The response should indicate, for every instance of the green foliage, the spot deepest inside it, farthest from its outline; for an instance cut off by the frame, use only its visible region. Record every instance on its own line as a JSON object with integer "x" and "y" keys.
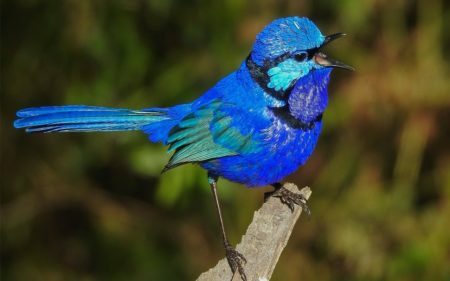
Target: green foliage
{"x": 95, "y": 207}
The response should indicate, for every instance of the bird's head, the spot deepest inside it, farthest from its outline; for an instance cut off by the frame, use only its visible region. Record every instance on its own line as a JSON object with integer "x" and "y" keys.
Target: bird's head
{"x": 290, "y": 48}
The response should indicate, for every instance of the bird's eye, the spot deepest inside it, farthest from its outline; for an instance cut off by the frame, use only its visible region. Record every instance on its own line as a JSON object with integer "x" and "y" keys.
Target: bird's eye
{"x": 300, "y": 57}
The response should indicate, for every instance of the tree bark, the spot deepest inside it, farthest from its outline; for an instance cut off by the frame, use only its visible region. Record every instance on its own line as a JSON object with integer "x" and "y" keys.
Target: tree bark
{"x": 264, "y": 241}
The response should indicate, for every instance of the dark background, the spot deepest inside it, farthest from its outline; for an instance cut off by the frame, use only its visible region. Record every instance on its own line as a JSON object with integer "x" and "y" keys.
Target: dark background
{"x": 95, "y": 207}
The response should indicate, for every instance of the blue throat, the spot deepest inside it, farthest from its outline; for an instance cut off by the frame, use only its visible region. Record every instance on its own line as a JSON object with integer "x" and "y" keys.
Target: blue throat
{"x": 304, "y": 100}
{"x": 309, "y": 97}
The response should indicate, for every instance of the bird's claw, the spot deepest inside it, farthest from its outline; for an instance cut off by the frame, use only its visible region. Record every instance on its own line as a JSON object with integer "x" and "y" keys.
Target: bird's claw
{"x": 291, "y": 199}
{"x": 236, "y": 261}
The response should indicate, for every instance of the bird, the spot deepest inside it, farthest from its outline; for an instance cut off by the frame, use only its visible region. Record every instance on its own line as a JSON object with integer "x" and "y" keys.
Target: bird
{"x": 255, "y": 126}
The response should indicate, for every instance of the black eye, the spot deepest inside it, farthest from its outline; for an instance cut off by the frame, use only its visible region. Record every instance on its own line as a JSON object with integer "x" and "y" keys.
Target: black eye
{"x": 300, "y": 57}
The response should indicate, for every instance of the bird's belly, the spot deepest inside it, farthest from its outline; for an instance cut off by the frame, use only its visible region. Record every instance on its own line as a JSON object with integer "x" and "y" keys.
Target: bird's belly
{"x": 283, "y": 153}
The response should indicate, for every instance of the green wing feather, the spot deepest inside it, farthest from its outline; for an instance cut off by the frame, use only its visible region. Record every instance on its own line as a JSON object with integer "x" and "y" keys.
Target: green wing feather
{"x": 207, "y": 134}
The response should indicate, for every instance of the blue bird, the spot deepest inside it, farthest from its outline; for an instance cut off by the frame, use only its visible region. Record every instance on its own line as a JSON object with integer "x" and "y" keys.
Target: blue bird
{"x": 255, "y": 126}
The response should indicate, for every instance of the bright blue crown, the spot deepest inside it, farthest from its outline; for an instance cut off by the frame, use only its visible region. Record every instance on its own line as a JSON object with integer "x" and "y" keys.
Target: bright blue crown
{"x": 286, "y": 35}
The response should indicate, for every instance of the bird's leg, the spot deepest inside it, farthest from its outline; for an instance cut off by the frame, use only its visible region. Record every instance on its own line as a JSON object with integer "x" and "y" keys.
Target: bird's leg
{"x": 288, "y": 197}
{"x": 234, "y": 258}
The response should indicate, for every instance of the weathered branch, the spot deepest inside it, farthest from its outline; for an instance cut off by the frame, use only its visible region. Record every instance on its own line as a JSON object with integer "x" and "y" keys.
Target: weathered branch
{"x": 262, "y": 244}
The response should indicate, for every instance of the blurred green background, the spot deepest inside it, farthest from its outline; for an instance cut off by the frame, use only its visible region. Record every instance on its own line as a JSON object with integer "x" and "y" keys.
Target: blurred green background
{"x": 95, "y": 207}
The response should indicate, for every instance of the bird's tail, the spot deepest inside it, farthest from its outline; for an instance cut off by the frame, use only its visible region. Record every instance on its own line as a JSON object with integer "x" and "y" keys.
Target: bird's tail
{"x": 81, "y": 118}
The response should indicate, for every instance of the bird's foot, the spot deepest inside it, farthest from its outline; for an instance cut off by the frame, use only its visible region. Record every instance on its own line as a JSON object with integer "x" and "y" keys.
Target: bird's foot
{"x": 236, "y": 261}
{"x": 290, "y": 198}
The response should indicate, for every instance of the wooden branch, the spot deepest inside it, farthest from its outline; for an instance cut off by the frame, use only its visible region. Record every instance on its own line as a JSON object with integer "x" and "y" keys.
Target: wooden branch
{"x": 262, "y": 244}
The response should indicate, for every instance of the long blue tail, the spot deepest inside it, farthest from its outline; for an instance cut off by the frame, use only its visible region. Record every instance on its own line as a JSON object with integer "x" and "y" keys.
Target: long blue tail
{"x": 82, "y": 118}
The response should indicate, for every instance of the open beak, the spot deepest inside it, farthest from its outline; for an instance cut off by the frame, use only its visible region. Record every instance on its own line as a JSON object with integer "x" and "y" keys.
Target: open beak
{"x": 322, "y": 59}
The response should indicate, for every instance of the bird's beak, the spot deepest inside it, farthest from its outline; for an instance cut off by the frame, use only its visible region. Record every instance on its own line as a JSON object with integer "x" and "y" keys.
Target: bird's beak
{"x": 322, "y": 59}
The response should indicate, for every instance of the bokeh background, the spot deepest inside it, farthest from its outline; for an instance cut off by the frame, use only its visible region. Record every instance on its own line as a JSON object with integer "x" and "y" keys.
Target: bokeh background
{"x": 95, "y": 207}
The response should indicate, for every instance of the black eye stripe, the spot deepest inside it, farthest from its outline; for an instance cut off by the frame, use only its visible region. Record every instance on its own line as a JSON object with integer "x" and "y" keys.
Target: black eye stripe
{"x": 312, "y": 52}
{"x": 309, "y": 54}
{"x": 300, "y": 57}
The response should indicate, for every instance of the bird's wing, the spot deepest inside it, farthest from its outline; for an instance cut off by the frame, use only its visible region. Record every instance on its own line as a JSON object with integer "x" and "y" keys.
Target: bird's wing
{"x": 214, "y": 130}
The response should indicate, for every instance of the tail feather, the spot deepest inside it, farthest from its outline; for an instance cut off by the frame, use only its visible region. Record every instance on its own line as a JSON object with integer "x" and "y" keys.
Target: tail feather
{"x": 34, "y": 111}
{"x": 81, "y": 118}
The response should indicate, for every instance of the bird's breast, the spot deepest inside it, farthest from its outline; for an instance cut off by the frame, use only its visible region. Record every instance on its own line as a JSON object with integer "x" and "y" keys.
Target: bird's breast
{"x": 283, "y": 151}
